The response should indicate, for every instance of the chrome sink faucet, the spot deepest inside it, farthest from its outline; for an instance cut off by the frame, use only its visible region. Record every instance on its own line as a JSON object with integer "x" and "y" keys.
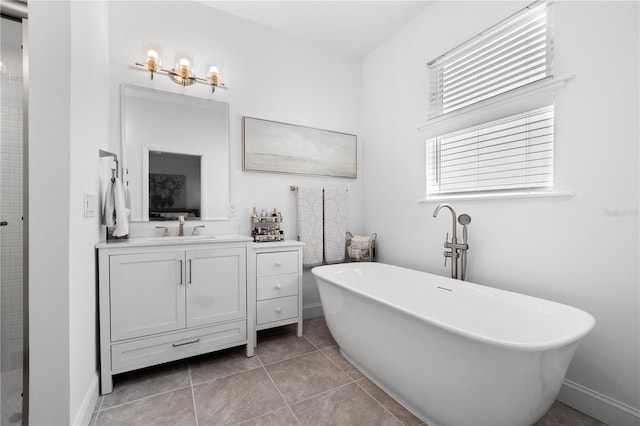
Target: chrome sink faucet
{"x": 457, "y": 250}
{"x": 180, "y": 226}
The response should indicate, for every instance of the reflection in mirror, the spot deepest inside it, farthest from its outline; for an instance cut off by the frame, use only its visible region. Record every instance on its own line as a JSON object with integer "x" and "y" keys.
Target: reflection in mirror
{"x": 174, "y": 186}
{"x": 176, "y": 155}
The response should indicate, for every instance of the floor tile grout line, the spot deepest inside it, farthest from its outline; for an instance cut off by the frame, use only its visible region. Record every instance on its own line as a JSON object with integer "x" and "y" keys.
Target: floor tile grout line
{"x": 381, "y": 404}
{"x": 309, "y": 340}
{"x": 351, "y": 380}
{"x": 322, "y": 393}
{"x": 278, "y": 390}
{"x": 318, "y": 349}
{"x": 358, "y": 384}
{"x": 260, "y": 416}
{"x": 143, "y": 398}
{"x": 97, "y": 412}
{"x": 204, "y": 382}
{"x": 336, "y": 364}
{"x": 193, "y": 395}
{"x": 289, "y": 359}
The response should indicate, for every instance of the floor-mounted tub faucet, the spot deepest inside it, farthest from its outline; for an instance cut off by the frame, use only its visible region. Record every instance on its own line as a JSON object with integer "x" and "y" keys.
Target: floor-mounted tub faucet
{"x": 457, "y": 251}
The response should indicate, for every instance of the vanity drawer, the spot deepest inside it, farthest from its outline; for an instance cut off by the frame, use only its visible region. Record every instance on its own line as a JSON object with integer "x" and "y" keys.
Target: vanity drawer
{"x": 143, "y": 352}
{"x": 281, "y": 262}
{"x": 273, "y": 286}
{"x": 277, "y": 309}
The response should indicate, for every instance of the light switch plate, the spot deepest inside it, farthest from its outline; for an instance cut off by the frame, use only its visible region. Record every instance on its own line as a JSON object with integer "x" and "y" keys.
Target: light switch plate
{"x": 89, "y": 205}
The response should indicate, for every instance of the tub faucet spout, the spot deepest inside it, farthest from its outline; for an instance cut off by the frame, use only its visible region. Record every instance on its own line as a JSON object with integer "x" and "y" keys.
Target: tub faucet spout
{"x": 454, "y": 238}
{"x": 456, "y": 251}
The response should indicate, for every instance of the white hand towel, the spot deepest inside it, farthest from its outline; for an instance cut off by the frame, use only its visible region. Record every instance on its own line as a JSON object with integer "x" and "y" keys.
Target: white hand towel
{"x": 122, "y": 223}
{"x": 109, "y": 206}
{"x": 127, "y": 201}
{"x": 335, "y": 224}
{"x": 310, "y": 224}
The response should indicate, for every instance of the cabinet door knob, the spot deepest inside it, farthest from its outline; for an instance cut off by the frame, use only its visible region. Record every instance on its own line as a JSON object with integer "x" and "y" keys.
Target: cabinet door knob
{"x": 278, "y": 286}
{"x": 278, "y": 309}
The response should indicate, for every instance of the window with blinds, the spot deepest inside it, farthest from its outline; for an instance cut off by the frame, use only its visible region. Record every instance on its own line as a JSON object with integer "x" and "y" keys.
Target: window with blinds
{"x": 513, "y": 151}
{"x": 512, "y": 54}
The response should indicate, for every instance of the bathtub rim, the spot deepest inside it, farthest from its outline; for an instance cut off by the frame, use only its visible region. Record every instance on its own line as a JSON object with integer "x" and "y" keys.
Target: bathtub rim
{"x": 589, "y": 320}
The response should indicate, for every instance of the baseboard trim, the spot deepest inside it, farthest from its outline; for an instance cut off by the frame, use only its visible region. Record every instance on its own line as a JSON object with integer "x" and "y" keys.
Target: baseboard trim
{"x": 312, "y": 311}
{"x": 597, "y": 405}
{"x": 83, "y": 416}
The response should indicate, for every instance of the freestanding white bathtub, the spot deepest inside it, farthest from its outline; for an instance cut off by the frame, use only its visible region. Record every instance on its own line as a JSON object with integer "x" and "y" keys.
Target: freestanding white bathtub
{"x": 452, "y": 352}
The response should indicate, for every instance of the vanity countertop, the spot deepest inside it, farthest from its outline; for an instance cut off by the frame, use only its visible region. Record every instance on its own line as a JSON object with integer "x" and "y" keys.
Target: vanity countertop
{"x": 174, "y": 240}
{"x": 276, "y": 244}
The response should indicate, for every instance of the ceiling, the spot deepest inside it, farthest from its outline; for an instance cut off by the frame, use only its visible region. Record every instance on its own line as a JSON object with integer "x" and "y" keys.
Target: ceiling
{"x": 352, "y": 27}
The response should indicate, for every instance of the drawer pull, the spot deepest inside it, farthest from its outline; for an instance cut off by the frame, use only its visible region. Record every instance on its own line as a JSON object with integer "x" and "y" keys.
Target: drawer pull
{"x": 278, "y": 263}
{"x": 278, "y": 286}
{"x": 175, "y": 345}
{"x": 278, "y": 309}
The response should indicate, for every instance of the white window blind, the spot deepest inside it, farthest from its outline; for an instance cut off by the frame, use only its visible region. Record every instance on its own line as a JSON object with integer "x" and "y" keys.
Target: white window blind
{"x": 515, "y": 152}
{"x": 514, "y": 53}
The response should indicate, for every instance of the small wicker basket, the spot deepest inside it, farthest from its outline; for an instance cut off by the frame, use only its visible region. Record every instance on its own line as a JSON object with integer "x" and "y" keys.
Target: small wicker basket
{"x": 360, "y": 248}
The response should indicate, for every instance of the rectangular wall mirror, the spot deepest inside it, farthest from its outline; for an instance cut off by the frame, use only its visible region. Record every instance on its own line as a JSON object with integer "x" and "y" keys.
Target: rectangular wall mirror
{"x": 176, "y": 155}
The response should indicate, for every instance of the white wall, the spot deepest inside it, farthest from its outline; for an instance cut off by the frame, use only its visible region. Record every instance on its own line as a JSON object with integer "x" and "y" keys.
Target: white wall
{"x": 89, "y": 133}
{"x": 580, "y": 250}
{"x": 49, "y": 164}
{"x": 68, "y": 124}
{"x": 269, "y": 75}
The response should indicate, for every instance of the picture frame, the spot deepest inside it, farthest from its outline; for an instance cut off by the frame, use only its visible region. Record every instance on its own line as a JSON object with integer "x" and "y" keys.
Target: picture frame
{"x": 167, "y": 191}
{"x": 271, "y": 146}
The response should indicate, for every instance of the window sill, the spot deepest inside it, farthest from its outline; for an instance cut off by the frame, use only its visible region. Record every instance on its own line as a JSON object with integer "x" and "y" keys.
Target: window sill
{"x": 504, "y": 195}
{"x": 525, "y": 98}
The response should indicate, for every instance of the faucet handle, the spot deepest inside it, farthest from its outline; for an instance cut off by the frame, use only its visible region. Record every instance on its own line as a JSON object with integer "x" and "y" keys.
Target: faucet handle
{"x": 195, "y": 229}
{"x": 166, "y": 230}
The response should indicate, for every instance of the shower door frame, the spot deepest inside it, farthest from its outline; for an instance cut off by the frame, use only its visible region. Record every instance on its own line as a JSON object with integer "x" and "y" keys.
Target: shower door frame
{"x": 25, "y": 221}
{"x": 20, "y": 14}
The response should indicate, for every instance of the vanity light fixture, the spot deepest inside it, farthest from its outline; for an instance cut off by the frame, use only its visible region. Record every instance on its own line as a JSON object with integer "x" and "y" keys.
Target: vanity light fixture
{"x": 182, "y": 73}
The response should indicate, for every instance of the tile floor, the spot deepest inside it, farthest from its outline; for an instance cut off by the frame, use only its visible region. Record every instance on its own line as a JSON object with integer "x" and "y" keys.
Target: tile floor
{"x": 290, "y": 381}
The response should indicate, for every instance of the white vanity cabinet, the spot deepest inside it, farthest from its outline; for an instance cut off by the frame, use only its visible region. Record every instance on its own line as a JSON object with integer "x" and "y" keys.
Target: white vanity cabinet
{"x": 163, "y": 302}
{"x": 275, "y": 271}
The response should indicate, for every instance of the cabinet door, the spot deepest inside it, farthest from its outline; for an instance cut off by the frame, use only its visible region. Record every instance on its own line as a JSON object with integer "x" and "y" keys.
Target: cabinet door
{"x": 216, "y": 285}
{"x": 147, "y": 294}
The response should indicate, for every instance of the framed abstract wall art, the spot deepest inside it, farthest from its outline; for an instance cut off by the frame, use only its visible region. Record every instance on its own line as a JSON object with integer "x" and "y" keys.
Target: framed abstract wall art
{"x": 270, "y": 146}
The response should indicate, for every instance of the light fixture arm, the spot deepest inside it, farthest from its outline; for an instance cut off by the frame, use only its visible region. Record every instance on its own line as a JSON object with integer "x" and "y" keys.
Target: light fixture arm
{"x": 183, "y": 76}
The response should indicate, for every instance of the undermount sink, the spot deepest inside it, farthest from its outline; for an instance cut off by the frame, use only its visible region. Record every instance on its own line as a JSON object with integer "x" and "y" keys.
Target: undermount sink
{"x": 186, "y": 238}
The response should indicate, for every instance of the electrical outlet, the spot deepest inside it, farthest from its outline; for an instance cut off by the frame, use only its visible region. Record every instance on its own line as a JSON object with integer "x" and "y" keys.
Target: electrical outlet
{"x": 232, "y": 210}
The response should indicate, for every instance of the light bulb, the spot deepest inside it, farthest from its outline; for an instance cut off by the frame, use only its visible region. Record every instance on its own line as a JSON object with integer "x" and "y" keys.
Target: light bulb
{"x": 152, "y": 61}
{"x": 152, "y": 55}
{"x": 213, "y": 75}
